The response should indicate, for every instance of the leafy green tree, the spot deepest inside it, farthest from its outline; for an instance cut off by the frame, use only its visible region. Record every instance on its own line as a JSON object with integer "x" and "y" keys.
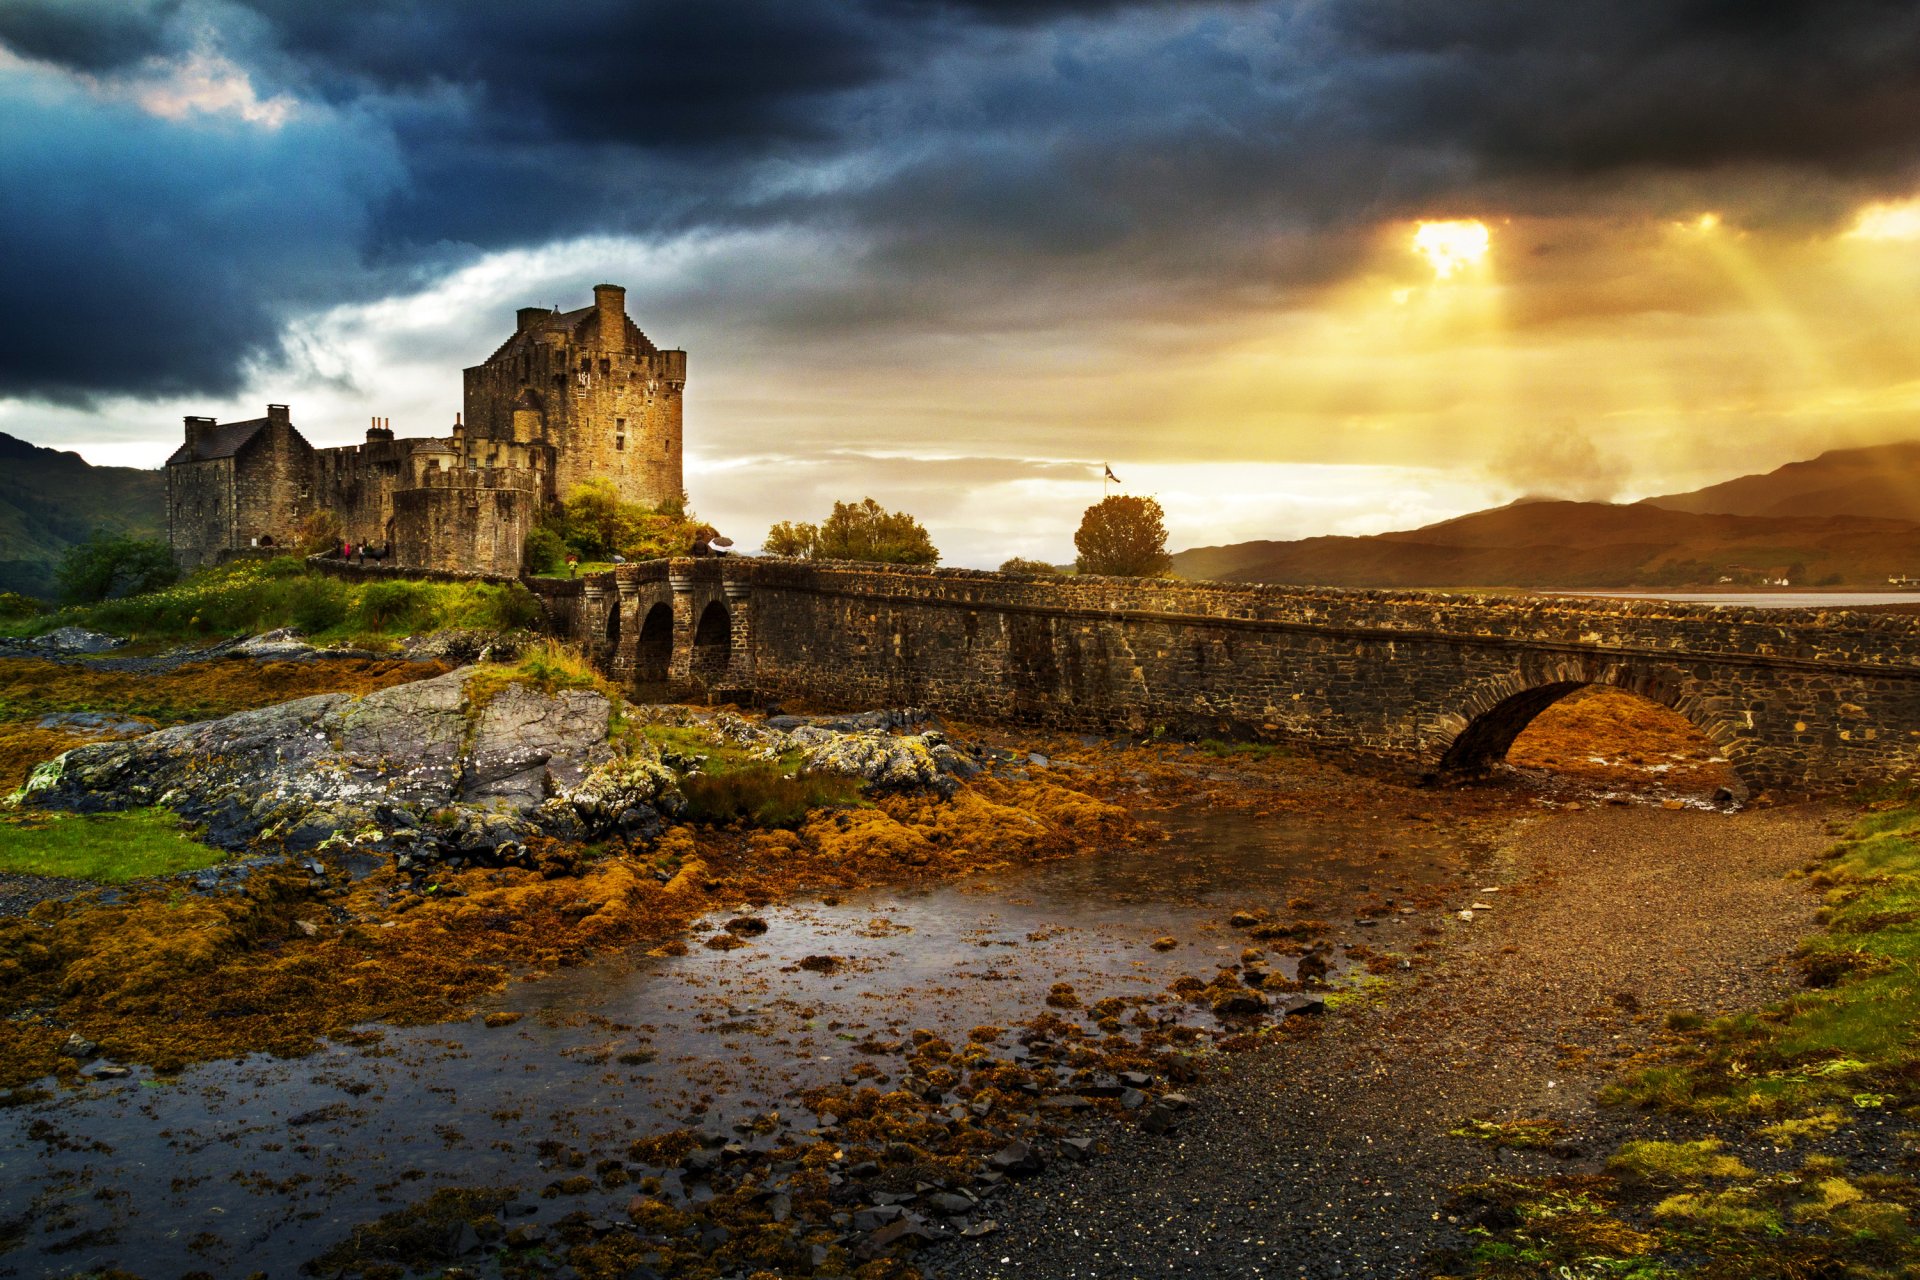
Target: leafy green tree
{"x": 593, "y": 523}
{"x": 109, "y": 565}
{"x": 1019, "y": 564}
{"x": 1123, "y": 537}
{"x": 856, "y": 531}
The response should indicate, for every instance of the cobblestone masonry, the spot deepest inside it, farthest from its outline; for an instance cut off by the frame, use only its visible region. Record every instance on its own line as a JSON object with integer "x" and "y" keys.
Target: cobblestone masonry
{"x": 1799, "y": 700}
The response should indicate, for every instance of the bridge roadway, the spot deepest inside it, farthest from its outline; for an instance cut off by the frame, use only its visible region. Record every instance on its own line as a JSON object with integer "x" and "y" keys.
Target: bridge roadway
{"x": 1799, "y": 701}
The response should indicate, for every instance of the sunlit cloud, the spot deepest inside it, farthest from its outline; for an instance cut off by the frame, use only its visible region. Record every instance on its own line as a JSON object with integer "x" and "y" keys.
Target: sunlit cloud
{"x": 205, "y": 83}
{"x": 1888, "y": 220}
{"x": 200, "y": 83}
{"x": 1451, "y": 246}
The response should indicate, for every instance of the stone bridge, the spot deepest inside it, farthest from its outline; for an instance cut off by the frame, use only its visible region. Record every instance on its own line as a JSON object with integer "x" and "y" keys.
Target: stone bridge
{"x": 1796, "y": 700}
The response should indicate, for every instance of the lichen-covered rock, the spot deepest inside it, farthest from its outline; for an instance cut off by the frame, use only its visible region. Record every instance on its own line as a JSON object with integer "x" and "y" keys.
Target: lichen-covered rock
{"x": 888, "y": 762}
{"x": 76, "y": 640}
{"x": 416, "y": 768}
{"x": 626, "y": 795}
{"x": 863, "y": 745}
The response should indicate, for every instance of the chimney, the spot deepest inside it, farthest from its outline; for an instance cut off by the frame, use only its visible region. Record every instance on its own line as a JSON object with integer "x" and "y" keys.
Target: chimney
{"x": 196, "y": 428}
{"x": 610, "y": 300}
{"x": 277, "y": 415}
{"x": 527, "y": 317}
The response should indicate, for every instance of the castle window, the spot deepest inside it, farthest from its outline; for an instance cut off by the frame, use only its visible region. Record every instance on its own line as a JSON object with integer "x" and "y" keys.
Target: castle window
{"x": 620, "y": 442}
{"x": 606, "y": 366}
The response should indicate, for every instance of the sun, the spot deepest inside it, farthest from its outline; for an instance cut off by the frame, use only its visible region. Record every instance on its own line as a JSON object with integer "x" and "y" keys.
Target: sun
{"x": 1451, "y": 246}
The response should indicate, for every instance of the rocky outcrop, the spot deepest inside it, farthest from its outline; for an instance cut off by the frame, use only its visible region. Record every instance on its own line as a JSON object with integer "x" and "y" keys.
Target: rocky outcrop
{"x": 453, "y": 769}
{"x": 862, "y": 746}
{"x": 420, "y": 770}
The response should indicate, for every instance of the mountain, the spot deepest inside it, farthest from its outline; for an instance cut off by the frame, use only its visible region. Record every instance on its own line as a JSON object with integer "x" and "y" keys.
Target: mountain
{"x": 1851, "y": 516}
{"x": 1883, "y": 480}
{"x": 51, "y": 499}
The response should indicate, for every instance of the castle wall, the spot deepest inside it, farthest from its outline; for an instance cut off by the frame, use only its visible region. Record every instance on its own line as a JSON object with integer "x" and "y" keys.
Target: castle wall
{"x": 272, "y": 485}
{"x": 610, "y": 410}
{"x": 476, "y": 521}
{"x": 200, "y": 510}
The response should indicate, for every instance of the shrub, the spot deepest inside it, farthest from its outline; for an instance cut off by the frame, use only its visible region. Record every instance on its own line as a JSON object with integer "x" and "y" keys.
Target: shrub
{"x": 759, "y": 793}
{"x": 320, "y": 532}
{"x": 1019, "y": 564}
{"x": 319, "y": 604}
{"x": 15, "y": 607}
{"x": 107, "y": 566}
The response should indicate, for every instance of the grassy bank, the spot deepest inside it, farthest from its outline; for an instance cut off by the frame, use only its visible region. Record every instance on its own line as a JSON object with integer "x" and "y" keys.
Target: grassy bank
{"x": 1772, "y": 1143}
{"x": 252, "y": 596}
{"x": 108, "y": 848}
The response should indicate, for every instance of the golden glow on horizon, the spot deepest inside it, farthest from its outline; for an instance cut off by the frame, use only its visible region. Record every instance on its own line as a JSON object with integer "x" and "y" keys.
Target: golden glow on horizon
{"x": 1888, "y": 220}
{"x": 1451, "y": 246}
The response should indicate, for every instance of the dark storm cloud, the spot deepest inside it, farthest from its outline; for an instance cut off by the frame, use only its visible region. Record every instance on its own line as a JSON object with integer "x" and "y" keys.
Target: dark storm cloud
{"x": 985, "y": 154}
{"x": 1528, "y": 87}
{"x": 88, "y": 37}
{"x": 144, "y": 260}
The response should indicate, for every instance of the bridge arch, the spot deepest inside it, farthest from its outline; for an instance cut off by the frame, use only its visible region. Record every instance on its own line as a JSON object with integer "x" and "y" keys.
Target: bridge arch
{"x": 712, "y": 643}
{"x": 653, "y": 649}
{"x": 1497, "y": 713}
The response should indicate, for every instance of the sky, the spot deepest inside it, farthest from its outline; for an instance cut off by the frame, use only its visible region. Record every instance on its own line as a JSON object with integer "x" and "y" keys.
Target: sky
{"x": 1292, "y": 267}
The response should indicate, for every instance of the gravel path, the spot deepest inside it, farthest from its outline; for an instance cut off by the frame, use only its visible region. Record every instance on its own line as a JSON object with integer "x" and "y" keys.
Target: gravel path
{"x": 1327, "y": 1156}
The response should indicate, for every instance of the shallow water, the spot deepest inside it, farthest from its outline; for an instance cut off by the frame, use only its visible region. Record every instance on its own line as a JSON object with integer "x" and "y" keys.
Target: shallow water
{"x": 262, "y": 1164}
{"x": 1760, "y": 599}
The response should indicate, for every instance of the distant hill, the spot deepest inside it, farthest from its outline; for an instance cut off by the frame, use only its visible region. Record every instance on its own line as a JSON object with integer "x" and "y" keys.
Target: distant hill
{"x": 1883, "y": 480}
{"x": 1847, "y": 517}
{"x": 51, "y": 499}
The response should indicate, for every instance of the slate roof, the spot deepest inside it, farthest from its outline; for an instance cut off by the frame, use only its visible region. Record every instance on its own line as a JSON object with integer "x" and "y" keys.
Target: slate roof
{"x": 222, "y": 441}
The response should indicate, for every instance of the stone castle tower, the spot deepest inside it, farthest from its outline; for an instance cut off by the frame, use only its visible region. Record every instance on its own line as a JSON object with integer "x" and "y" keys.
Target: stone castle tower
{"x": 590, "y": 384}
{"x": 571, "y": 396}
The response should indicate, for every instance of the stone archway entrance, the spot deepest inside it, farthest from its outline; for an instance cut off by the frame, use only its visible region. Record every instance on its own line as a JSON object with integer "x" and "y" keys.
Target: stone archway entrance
{"x": 712, "y": 644}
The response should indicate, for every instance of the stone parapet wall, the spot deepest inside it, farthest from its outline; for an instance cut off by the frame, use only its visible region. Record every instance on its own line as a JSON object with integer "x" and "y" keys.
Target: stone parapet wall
{"x": 334, "y": 567}
{"x": 1796, "y": 699}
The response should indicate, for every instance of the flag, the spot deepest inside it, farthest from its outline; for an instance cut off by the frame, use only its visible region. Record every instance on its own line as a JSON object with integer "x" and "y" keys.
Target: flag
{"x": 1110, "y": 475}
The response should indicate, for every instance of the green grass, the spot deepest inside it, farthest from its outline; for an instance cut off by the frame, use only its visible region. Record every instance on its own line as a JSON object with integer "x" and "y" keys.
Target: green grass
{"x": 110, "y": 848}
{"x": 251, "y": 596}
{"x": 548, "y": 666}
{"x": 1853, "y": 1035}
{"x": 1788, "y": 1077}
{"x": 762, "y": 794}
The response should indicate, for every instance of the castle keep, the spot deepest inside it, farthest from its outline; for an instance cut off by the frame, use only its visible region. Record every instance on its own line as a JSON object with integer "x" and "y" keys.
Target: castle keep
{"x": 570, "y": 396}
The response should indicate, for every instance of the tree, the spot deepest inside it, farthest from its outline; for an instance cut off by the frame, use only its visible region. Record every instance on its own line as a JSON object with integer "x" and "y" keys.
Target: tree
{"x": 320, "y": 532}
{"x": 595, "y": 523}
{"x": 855, "y": 531}
{"x": 1123, "y": 537}
{"x": 107, "y": 566}
{"x": 1019, "y": 564}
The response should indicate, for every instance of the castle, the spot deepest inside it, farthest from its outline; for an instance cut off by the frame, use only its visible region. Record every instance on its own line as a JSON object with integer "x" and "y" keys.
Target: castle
{"x": 572, "y": 395}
